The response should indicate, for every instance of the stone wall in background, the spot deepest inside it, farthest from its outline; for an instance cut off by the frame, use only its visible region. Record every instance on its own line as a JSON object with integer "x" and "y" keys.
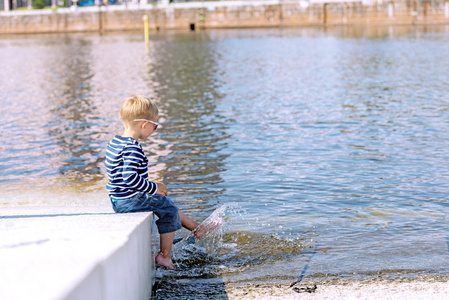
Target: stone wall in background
{"x": 227, "y": 14}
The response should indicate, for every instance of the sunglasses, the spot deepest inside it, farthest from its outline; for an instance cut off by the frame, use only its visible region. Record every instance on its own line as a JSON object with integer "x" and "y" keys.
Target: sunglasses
{"x": 155, "y": 124}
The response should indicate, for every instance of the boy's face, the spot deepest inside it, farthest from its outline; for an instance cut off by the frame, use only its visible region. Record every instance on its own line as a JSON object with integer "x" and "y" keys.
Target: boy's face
{"x": 148, "y": 127}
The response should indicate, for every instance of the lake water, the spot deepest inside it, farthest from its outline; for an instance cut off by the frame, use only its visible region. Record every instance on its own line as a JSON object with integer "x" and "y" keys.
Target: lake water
{"x": 329, "y": 146}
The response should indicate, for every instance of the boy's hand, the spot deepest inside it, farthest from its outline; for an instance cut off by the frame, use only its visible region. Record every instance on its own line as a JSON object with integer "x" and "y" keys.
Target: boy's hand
{"x": 161, "y": 189}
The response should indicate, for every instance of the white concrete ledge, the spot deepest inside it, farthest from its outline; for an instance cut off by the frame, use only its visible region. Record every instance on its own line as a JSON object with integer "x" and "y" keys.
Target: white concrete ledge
{"x": 71, "y": 253}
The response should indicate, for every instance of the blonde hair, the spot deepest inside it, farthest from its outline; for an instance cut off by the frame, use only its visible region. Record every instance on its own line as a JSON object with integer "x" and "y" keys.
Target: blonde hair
{"x": 138, "y": 107}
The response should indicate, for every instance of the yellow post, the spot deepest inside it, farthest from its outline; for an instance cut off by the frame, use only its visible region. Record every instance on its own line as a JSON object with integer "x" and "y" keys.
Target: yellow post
{"x": 146, "y": 31}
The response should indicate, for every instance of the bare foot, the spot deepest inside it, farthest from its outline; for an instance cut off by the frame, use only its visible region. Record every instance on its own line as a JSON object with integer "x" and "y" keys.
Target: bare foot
{"x": 165, "y": 262}
{"x": 203, "y": 229}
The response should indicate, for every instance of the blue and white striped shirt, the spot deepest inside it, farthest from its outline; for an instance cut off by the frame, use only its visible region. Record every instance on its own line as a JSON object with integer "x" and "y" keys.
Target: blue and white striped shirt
{"x": 127, "y": 168}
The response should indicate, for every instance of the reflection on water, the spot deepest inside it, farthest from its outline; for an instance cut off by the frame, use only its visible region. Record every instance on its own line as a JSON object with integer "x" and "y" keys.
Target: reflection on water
{"x": 331, "y": 139}
{"x": 182, "y": 76}
{"x": 73, "y": 108}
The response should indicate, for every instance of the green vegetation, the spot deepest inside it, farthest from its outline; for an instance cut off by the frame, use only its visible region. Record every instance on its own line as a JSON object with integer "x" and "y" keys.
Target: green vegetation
{"x": 33, "y": 8}
{"x": 39, "y": 4}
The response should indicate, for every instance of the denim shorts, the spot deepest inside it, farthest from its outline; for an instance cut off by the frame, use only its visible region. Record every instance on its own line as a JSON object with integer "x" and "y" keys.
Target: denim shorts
{"x": 162, "y": 207}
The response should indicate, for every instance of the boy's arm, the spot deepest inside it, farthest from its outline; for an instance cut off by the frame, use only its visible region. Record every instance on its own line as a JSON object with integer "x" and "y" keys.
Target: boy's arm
{"x": 161, "y": 189}
{"x": 131, "y": 176}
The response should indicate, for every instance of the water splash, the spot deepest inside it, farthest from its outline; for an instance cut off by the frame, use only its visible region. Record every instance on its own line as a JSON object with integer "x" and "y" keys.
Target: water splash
{"x": 199, "y": 256}
{"x": 213, "y": 239}
{"x": 227, "y": 250}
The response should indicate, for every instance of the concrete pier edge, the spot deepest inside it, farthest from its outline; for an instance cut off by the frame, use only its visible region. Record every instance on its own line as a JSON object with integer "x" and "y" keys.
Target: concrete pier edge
{"x": 127, "y": 273}
{"x": 69, "y": 253}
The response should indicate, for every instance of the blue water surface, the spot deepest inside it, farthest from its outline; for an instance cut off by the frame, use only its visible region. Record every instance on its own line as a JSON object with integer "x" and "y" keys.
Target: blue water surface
{"x": 331, "y": 139}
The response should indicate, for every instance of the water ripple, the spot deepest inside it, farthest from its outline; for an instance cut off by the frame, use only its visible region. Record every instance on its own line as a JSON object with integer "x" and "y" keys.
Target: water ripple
{"x": 336, "y": 135}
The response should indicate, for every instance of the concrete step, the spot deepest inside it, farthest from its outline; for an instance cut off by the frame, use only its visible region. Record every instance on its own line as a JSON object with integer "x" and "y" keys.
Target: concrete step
{"x": 75, "y": 253}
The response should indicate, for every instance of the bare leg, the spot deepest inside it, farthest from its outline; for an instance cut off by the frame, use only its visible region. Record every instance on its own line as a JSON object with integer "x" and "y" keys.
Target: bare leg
{"x": 188, "y": 222}
{"x": 164, "y": 257}
{"x": 199, "y": 230}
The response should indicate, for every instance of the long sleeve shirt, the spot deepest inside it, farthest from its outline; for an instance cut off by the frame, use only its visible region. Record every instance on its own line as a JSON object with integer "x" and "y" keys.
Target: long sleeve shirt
{"x": 127, "y": 168}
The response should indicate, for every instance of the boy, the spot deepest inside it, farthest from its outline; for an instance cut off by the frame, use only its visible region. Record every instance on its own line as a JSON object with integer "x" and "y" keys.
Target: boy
{"x": 129, "y": 188}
